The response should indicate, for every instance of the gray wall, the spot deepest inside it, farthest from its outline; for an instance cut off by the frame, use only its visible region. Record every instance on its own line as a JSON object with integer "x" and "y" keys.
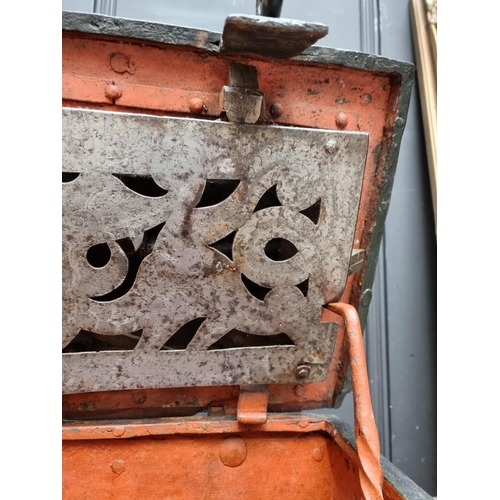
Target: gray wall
{"x": 410, "y": 283}
{"x": 401, "y": 327}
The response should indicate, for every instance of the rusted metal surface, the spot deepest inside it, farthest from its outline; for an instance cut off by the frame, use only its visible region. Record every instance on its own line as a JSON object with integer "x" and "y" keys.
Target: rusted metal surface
{"x": 321, "y": 88}
{"x": 365, "y": 428}
{"x": 260, "y": 262}
{"x": 297, "y": 457}
{"x": 270, "y": 37}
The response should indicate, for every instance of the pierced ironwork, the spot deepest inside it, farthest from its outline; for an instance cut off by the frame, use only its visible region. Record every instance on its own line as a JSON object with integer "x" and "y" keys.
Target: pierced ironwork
{"x": 180, "y": 271}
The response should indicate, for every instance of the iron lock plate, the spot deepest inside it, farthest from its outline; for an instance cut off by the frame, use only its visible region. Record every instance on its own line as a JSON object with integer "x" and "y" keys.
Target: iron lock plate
{"x": 199, "y": 253}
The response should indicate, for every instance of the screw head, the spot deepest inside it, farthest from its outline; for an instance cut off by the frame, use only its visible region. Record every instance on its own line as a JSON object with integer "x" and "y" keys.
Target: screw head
{"x": 303, "y": 371}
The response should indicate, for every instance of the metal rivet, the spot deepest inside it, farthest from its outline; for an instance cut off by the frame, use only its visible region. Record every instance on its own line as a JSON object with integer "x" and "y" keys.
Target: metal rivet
{"x": 303, "y": 371}
{"x": 118, "y": 431}
{"x": 341, "y": 120}
{"x": 317, "y": 454}
{"x": 139, "y": 397}
{"x": 276, "y": 110}
{"x": 331, "y": 146}
{"x": 118, "y": 466}
{"x": 233, "y": 451}
{"x": 368, "y": 97}
{"x": 299, "y": 390}
{"x": 196, "y": 105}
{"x": 112, "y": 92}
{"x": 86, "y": 406}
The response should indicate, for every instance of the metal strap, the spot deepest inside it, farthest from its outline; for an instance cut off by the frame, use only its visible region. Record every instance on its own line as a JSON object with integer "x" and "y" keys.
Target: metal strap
{"x": 365, "y": 428}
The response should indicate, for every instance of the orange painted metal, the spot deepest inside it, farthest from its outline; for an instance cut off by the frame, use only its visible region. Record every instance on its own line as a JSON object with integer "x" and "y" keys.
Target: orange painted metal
{"x": 278, "y": 447}
{"x": 252, "y": 405}
{"x": 293, "y": 457}
{"x": 132, "y": 75}
{"x": 365, "y": 428}
{"x": 236, "y": 464}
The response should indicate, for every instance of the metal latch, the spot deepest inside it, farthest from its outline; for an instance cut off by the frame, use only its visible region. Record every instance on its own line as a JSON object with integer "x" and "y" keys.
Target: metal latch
{"x": 242, "y": 100}
{"x": 252, "y": 404}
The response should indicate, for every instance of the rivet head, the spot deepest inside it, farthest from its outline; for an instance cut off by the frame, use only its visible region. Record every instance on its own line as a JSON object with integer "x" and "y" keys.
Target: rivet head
{"x": 317, "y": 454}
{"x": 118, "y": 431}
{"x": 117, "y": 466}
{"x": 196, "y": 105}
{"x": 299, "y": 390}
{"x": 233, "y": 451}
{"x": 341, "y": 120}
{"x": 139, "y": 397}
{"x": 112, "y": 92}
{"x": 331, "y": 146}
{"x": 276, "y": 110}
{"x": 303, "y": 371}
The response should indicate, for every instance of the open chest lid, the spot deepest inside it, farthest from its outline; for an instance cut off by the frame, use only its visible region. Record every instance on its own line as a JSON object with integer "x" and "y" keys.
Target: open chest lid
{"x": 216, "y": 195}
